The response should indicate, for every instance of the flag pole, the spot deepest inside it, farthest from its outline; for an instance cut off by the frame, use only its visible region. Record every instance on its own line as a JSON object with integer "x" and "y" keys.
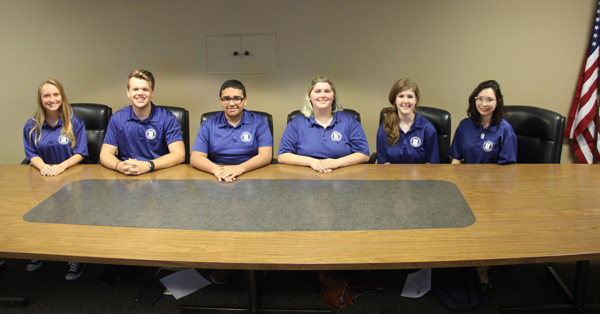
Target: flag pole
{"x": 595, "y": 155}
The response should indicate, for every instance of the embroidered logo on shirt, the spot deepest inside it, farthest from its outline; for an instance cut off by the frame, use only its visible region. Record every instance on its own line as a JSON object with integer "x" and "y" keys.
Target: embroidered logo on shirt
{"x": 488, "y": 146}
{"x": 246, "y": 137}
{"x": 151, "y": 134}
{"x": 336, "y": 136}
{"x": 63, "y": 139}
{"x": 415, "y": 142}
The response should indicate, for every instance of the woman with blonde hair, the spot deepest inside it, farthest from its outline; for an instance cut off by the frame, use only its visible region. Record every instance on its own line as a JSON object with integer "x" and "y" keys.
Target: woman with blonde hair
{"x": 324, "y": 137}
{"x": 54, "y": 141}
{"x": 405, "y": 137}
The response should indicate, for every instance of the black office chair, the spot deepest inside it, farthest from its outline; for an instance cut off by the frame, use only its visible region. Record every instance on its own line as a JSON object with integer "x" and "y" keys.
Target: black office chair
{"x": 539, "y": 140}
{"x": 265, "y": 115}
{"x": 539, "y": 134}
{"x": 442, "y": 122}
{"x": 95, "y": 118}
{"x": 296, "y": 113}
{"x": 183, "y": 116}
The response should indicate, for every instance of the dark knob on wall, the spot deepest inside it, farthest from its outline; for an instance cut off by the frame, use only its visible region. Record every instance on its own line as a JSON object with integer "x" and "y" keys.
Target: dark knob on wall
{"x": 246, "y": 53}
{"x": 235, "y": 53}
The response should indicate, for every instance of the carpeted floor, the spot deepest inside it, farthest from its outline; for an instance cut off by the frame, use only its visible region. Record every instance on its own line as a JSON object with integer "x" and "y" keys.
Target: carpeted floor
{"x": 48, "y": 292}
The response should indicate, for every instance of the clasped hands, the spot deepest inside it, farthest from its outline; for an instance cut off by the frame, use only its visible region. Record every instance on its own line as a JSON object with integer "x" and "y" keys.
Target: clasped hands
{"x": 133, "y": 167}
{"x": 228, "y": 173}
{"x": 324, "y": 165}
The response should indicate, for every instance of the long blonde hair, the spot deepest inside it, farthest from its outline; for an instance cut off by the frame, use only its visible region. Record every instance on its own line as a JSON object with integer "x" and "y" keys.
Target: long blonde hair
{"x": 65, "y": 114}
{"x": 307, "y": 109}
{"x": 391, "y": 121}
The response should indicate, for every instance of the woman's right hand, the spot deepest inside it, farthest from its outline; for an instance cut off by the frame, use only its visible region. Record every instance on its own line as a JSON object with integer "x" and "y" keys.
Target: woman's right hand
{"x": 45, "y": 169}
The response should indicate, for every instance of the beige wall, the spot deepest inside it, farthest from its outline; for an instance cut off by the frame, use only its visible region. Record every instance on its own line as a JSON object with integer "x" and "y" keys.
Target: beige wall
{"x": 534, "y": 48}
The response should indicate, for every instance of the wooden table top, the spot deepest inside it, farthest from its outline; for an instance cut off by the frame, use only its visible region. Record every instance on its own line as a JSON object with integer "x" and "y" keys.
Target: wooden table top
{"x": 525, "y": 214}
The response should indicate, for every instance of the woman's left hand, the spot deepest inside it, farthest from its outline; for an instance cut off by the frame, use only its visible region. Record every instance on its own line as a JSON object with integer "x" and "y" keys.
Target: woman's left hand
{"x": 55, "y": 170}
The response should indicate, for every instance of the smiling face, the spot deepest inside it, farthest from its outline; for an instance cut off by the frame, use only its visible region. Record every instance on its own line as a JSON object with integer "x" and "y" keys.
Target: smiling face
{"x": 406, "y": 102}
{"x": 233, "y": 103}
{"x": 140, "y": 92}
{"x": 322, "y": 96}
{"x": 51, "y": 98}
{"x": 486, "y": 102}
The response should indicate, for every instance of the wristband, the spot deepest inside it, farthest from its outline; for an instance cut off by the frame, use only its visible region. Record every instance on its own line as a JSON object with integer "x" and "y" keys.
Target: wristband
{"x": 117, "y": 165}
{"x": 151, "y": 165}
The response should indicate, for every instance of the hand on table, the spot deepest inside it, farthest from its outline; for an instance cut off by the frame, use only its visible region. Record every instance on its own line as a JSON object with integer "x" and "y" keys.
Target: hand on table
{"x": 228, "y": 173}
{"x": 324, "y": 165}
{"x": 133, "y": 167}
{"x": 52, "y": 170}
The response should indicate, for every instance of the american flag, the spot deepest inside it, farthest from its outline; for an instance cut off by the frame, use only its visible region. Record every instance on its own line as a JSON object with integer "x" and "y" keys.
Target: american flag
{"x": 581, "y": 125}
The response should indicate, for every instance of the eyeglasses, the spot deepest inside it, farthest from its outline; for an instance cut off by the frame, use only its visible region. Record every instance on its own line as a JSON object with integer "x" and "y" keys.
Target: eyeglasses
{"x": 480, "y": 100}
{"x": 236, "y": 100}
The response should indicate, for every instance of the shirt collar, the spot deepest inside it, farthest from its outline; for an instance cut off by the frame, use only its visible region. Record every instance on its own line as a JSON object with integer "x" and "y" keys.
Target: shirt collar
{"x": 313, "y": 121}
{"x": 152, "y": 118}
{"x": 58, "y": 124}
{"x": 492, "y": 128}
{"x": 223, "y": 120}
{"x": 419, "y": 122}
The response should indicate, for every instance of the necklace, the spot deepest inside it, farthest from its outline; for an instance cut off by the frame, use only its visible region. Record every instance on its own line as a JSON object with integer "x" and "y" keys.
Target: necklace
{"x": 483, "y": 132}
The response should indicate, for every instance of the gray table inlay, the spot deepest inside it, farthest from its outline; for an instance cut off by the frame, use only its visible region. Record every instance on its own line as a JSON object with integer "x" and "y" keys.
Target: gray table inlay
{"x": 258, "y": 205}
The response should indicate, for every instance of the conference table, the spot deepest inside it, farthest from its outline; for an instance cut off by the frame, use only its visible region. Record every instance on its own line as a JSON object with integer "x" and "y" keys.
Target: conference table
{"x": 522, "y": 214}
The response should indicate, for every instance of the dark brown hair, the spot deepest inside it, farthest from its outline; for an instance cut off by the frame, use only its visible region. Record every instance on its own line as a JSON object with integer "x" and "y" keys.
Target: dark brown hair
{"x": 498, "y": 114}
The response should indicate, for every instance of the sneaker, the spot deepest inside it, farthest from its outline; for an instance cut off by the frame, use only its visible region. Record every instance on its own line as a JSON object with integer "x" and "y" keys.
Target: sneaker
{"x": 75, "y": 270}
{"x": 34, "y": 264}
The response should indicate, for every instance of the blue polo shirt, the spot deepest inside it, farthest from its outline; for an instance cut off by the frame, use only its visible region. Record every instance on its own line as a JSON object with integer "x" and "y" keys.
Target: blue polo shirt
{"x": 343, "y": 136}
{"x": 418, "y": 146}
{"x": 498, "y": 146}
{"x": 53, "y": 147}
{"x": 228, "y": 145}
{"x": 143, "y": 140}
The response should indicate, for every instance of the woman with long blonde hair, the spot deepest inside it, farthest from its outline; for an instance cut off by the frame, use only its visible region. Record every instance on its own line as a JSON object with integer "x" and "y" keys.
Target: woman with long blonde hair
{"x": 54, "y": 141}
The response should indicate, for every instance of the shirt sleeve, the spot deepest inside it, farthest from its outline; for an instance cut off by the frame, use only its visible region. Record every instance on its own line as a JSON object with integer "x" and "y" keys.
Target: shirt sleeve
{"x": 382, "y": 154}
{"x": 508, "y": 152}
{"x": 172, "y": 129}
{"x": 357, "y": 138}
{"x": 112, "y": 132}
{"x": 31, "y": 149}
{"x": 431, "y": 145}
{"x": 81, "y": 146}
{"x": 263, "y": 133}
{"x": 203, "y": 138}
{"x": 456, "y": 147}
{"x": 289, "y": 139}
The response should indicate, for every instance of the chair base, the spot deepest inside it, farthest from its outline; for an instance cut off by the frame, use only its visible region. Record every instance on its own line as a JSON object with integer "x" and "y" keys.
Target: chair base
{"x": 254, "y": 297}
{"x": 577, "y": 297}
